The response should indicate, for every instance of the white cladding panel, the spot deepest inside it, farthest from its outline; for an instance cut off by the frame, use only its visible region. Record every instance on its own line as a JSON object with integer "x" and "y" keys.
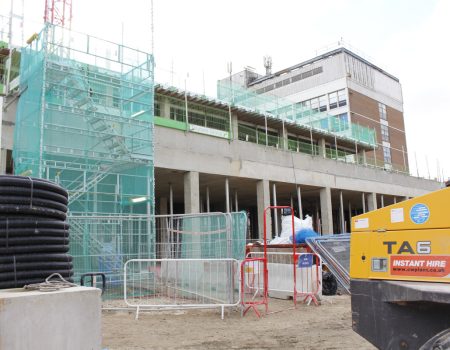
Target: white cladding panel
{"x": 333, "y": 68}
{"x": 339, "y": 71}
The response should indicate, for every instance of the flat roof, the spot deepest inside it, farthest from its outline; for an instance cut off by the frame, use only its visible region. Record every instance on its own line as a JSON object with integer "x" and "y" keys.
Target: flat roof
{"x": 321, "y": 57}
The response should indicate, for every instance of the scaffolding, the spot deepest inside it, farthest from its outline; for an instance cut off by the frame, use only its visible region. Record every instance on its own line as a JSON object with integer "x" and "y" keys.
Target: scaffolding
{"x": 85, "y": 121}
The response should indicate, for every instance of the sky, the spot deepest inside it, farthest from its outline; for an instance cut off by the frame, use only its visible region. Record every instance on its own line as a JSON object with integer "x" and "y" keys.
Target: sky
{"x": 193, "y": 41}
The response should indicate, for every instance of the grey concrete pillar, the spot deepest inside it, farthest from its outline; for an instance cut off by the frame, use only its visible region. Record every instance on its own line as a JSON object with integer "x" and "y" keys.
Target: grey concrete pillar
{"x": 208, "y": 208}
{"x": 299, "y": 199}
{"x": 363, "y": 198}
{"x": 236, "y": 206}
{"x": 372, "y": 201}
{"x": 163, "y": 206}
{"x": 227, "y": 195}
{"x": 2, "y": 159}
{"x": 263, "y": 201}
{"x": 341, "y": 207}
{"x": 170, "y": 199}
{"x": 382, "y": 201}
{"x": 395, "y": 200}
{"x": 275, "y": 211}
{"x": 191, "y": 192}
{"x": 326, "y": 210}
{"x": 284, "y": 138}
{"x": 322, "y": 148}
{"x": 234, "y": 126}
{"x": 165, "y": 108}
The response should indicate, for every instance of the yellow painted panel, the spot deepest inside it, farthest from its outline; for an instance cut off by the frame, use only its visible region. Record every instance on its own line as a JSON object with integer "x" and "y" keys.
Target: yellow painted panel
{"x": 414, "y": 255}
{"x": 425, "y": 212}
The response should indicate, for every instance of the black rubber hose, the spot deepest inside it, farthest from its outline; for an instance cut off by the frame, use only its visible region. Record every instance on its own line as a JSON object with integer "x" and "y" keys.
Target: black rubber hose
{"x": 33, "y": 240}
{"x": 36, "y": 193}
{"x": 8, "y": 276}
{"x": 24, "y": 258}
{"x": 30, "y": 266}
{"x": 22, "y": 282}
{"x": 33, "y": 232}
{"x": 34, "y": 202}
{"x": 27, "y": 182}
{"x": 34, "y": 249}
{"x": 31, "y": 222}
{"x": 27, "y": 210}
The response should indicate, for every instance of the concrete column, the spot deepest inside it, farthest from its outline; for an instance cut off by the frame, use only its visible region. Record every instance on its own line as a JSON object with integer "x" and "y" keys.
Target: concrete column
{"x": 326, "y": 210}
{"x": 284, "y": 138}
{"x": 207, "y": 200}
{"x": 236, "y": 206}
{"x": 163, "y": 206}
{"x": 322, "y": 148}
{"x": 363, "y": 198}
{"x": 227, "y": 195}
{"x": 165, "y": 108}
{"x": 234, "y": 126}
{"x": 191, "y": 192}
{"x": 2, "y": 159}
{"x": 395, "y": 200}
{"x": 382, "y": 201}
{"x": 341, "y": 202}
{"x": 170, "y": 199}
{"x": 299, "y": 199}
{"x": 275, "y": 212}
{"x": 349, "y": 214}
{"x": 263, "y": 201}
{"x": 372, "y": 201}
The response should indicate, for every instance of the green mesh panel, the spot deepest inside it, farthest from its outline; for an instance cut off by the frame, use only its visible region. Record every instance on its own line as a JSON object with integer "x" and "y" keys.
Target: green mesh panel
{"x": 85, "y": 121}
{"x": 282, "y": 108}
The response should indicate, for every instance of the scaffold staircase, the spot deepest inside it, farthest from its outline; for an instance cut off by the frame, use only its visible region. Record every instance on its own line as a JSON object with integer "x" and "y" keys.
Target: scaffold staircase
{"x": 74, "y": 79}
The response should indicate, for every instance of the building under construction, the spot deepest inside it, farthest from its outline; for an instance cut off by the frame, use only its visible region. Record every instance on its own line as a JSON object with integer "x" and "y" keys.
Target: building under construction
{"x": 88, "y": 116}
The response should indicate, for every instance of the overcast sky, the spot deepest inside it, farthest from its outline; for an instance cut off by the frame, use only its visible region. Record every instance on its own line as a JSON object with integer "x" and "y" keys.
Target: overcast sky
{"x": 407, "y": 38}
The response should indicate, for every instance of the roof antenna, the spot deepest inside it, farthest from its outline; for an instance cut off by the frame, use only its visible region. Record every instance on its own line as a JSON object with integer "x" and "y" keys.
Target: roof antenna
{"x": 268, "y": 64}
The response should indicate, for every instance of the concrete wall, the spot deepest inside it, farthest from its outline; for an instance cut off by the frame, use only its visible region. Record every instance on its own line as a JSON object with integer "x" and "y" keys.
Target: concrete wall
{"x": 210, "y": 155}
{"x": 68, "y": 319}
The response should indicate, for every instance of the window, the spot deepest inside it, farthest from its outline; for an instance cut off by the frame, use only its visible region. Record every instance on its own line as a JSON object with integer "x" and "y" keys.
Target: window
{"x": 157, "y": 109}
{"x": 343, "y": 121}
{"x": 382, "y": 110}
{"x": 387, "y": 155}
{"x": 177, "y": 114}
{"x": 323, "y": 103}
{"x": 384, "y": 133}
{"x": 315, "y": 105}
{"x": 342, "y": 98}
{"x": 333, "y": 100}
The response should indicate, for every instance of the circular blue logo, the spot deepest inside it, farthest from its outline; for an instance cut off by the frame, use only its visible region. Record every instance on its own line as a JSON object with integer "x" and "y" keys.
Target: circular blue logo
{"x": 419, "y": 213}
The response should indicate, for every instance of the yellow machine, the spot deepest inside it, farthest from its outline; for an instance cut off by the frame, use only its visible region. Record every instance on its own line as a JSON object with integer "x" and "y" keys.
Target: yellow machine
{"x": 400, "y": 273}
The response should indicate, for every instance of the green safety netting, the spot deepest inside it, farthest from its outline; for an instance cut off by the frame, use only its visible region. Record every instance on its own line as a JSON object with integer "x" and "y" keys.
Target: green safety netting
{"x": 284, "y": 109}
{"x": 85, "y": 121}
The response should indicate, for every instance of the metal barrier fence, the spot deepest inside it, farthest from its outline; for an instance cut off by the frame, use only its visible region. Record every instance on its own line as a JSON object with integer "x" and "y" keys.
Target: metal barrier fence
{"x": 254, "y": 284}
{"x": 104, "y": 243}
{"x": 283, "y": 280}
{"x": 155, "y": 284}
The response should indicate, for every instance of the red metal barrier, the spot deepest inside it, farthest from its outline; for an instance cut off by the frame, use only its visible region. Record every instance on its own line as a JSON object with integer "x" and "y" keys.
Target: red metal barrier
{"x": 254, "y": 284}
{"x": 308, "y": 283}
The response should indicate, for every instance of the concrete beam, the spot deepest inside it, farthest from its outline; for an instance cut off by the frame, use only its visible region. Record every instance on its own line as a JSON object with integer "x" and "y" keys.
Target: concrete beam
{"x": 326, "y": 210}
{"x": 371, "y": 201}
{"x": 263, "y": 201}
{"x": 191, "y": 192}
{"x": 212, "y": 155}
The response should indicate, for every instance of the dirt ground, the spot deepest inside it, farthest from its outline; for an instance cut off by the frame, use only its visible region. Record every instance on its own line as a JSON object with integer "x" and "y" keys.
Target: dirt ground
{"x": 308, "y": 327}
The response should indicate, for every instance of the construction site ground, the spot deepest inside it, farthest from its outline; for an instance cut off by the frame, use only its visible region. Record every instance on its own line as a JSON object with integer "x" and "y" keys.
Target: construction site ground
{"x": 327, "y": 326}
